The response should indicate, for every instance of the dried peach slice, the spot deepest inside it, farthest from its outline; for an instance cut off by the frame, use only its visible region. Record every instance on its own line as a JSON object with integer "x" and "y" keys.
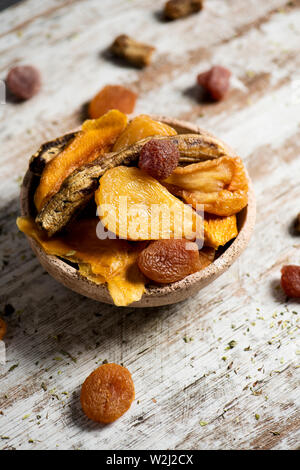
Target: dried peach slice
{"x": 139, "y": 128}
{"x": 221, "y": 185}
{"x": 107, "y": 393}
{"x": 95, "y": 138}
{"x": 112, "y": 97}
{"x": 98, "y": 260}
{"x": 3, "y": 329}
{"x": 219, "y": 230}
{"x": 135, "y": 206}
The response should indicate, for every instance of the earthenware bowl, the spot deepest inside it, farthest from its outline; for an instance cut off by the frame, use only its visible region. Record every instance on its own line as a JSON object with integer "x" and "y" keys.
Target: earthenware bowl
{"x": 154, "y": 296}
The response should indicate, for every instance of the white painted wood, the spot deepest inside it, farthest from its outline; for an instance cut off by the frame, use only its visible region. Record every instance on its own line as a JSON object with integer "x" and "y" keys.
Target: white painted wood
{"x": 190, "y": 382}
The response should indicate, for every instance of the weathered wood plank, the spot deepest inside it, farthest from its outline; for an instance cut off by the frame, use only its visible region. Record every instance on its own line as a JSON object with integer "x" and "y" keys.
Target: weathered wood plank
{"x": 193, "y": 381}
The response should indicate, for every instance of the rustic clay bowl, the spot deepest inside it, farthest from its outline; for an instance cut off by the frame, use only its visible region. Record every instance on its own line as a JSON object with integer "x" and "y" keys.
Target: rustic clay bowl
{"x": 154, "y": 296}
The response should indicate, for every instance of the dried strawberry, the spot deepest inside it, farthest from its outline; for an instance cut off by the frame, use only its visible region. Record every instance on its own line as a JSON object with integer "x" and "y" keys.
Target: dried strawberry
{"x": 159, "y": 158}
{"x": 215, "y": 81}
{"x": 23, "y": 81}
{"x": 290, "y": 280}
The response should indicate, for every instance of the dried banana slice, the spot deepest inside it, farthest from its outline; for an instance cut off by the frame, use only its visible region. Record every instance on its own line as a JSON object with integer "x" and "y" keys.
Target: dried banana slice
{"x": 48, "y": 151}
{"x": 78, "y": 188}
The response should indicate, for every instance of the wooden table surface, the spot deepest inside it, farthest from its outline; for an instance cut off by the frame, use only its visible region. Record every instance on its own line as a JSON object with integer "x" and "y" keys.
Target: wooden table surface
{"x": 192, "y": 390}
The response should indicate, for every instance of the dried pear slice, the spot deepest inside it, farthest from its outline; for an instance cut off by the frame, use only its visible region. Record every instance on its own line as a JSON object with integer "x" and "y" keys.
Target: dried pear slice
{"x": 78, "y": 188}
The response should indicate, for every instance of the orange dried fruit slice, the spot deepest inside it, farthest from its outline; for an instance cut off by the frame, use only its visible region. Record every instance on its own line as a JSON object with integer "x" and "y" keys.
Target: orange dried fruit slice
{"x": 135, "y": 206}
{"x": 112, "y": 97}
{"x": 219, "y": 230}
{"x": 221, "y": 185}
{"x": 139, "y": 128}
{"x": 96, "y": 138}
{"x": 107, "y": 393}
{"x": 98, "y": 260}
{"x": 3, "y": 328}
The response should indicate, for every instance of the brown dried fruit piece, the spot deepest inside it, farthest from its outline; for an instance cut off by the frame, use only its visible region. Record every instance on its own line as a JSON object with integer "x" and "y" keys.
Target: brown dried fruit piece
{"x": 219, "y": 230}
{"x": 166, "y": 261}
{"x": 135, "y": 206}
{"x": 112, "y": 97}
{"x": 95, "y": 139}
{"x": 221, "y": 185}
{"x": 297, "y": 223}
{"x": 139, "y": 128}
{"x": 107, "y": 393}
{"x": 290, "y": 280}
{"x": 159, "y": 158}
{"x": 24, "y": 81}
{"x": 3, "y": 329}
{"x": 175, "y": 9}
{"x": 215, "y": 81}
{"x": 108, "y": 260}
{"x": 135, "y": 53}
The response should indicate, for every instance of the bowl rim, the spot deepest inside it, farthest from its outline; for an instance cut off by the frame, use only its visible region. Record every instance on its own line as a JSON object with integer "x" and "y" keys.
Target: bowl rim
{"x": 153, "y": 295}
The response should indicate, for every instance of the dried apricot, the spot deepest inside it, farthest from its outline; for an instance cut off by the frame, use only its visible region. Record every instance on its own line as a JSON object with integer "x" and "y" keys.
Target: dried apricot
{"x": 23, "y": 81}
{"x": 139, "y": 128}
{"x": 95, "y": 139}
{"x": 166, "y": 261}
{"x": 135, "y": 206}
{"x": 290, "y": 280}
{"x": 112, "y": 97}
{"x": 107, "y": 393}
{"x": 215, "y": 81}
{"x": 221, "y": 185}
{"x": 219, "y": 230}
{"x": 2, "y": 329}
{"x": 159, "y": 158}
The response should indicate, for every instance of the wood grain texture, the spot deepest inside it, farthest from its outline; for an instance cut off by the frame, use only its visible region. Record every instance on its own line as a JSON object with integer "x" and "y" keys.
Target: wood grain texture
{"x": 178, "y": 355}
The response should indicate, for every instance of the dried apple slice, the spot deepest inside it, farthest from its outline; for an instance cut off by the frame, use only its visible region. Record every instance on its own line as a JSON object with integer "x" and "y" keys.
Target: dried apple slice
{"x": 221, "y": 185}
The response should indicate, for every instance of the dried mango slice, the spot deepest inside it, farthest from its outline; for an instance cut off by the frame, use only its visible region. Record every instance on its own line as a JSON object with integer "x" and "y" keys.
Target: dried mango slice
{"x": 99, "y": 260}
{"x": 221, "y": 185}
{"x": 135, "y": 206}
{"x": 95, "y": 139}
{"x": 129, "y": 285}
{"x": 139, "y": 128}
{"x": 219, "y": 230}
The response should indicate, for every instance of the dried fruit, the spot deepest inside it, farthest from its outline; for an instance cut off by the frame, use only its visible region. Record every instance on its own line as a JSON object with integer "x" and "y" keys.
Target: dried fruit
{"x": 94, "y": 140}
{"x": 107, "y": 393}
{"x": 159, "y": 158}
{"x": 3, "y": 329}
{"x": 78, "y": 189}
{"x": 175, "y": 9}
{"x": 215, "y": 81}
{"x": 135, "y": 206}
{"x": 290, "y": 280}
{"x": 139, "y": 128}
{"x": 112, "y": 97}
{"x": 24, "y": 81}
{"x": 221, "y": 185}
{"x": 98, "y": 260}
{"x": 135, "y": 53}
{"x": 219, "y": 230}
{"x": 166, "y": 261}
